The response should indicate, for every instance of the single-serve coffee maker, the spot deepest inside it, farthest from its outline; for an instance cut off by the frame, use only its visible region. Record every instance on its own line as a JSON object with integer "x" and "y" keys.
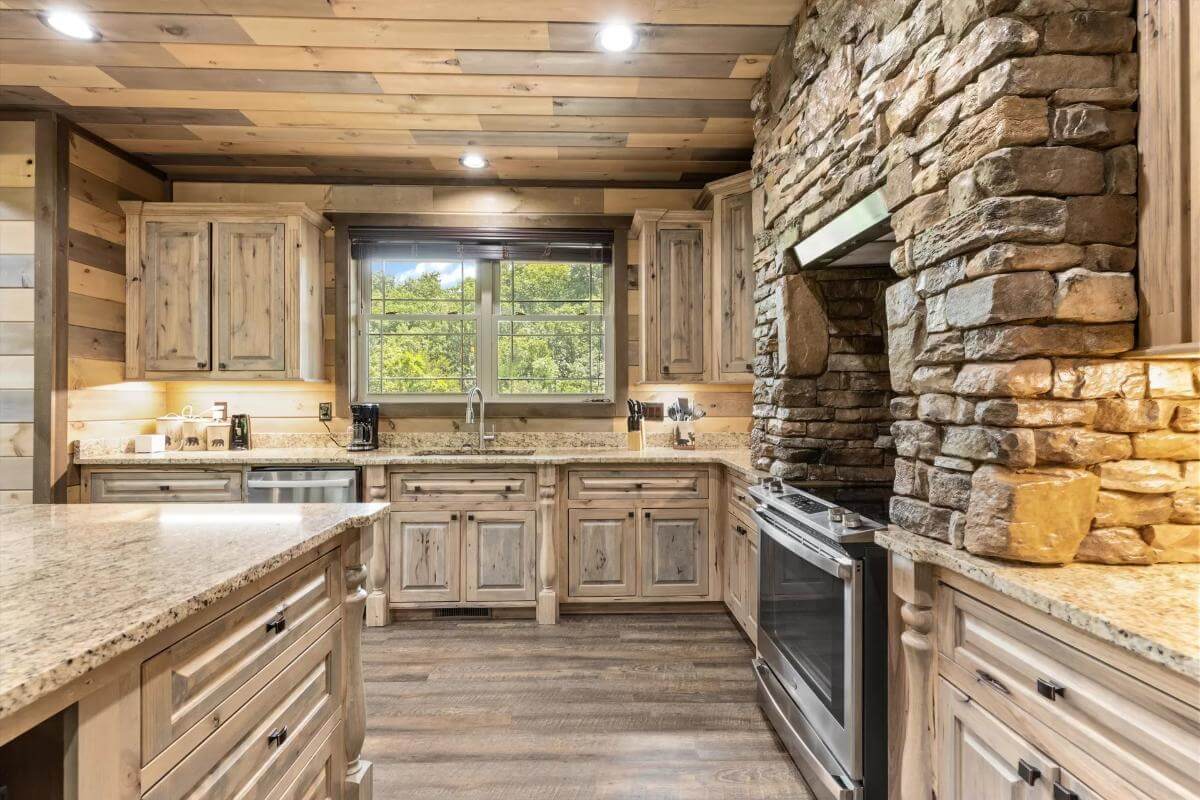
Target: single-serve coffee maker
{"x": 364, "y": 433}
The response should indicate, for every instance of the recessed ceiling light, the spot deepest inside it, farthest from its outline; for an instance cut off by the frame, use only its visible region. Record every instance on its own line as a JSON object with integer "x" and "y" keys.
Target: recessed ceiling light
{"x": 617, "y": 37}
{"x": 72, "y": 24}
{"x": 473, "y": 161}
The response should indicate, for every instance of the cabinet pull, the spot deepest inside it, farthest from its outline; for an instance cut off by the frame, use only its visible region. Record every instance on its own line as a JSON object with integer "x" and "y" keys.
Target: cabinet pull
{"x": 647, "y": 515}
{"x": 1027, "y": 772}
{"x": 638, "y": 486}
{"x": 987, "y": 679}
{"x": 741, "y": 530}
{"x": 1049, "y": 689}
{"x": 470, "y": 517}
{"x": 164, "y": 487}
{"x": 201, "y": 364}
{"x": 277, "y": 624}
{"x": 416, "y": 487}
{"x": 631, "y": 515}
{"x": 277, "y": 736}
{"x": 453, "y": 517}
{"x": 1063, "y": 793}
{"x": 666, "y": 370}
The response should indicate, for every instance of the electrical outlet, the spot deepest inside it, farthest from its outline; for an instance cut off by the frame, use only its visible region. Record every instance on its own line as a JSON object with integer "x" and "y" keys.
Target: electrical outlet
{"x": 325, "y": 412}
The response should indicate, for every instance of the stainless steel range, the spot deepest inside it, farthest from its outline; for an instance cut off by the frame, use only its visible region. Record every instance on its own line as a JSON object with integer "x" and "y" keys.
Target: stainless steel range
{"x": 822, "y": 632}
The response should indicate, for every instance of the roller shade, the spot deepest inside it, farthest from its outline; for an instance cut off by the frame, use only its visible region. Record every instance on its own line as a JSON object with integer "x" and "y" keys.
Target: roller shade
{"x": 590, "y": 247}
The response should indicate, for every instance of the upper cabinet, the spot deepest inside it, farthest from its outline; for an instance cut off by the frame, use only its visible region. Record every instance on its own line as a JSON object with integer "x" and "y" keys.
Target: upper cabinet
{"x": 696, "y": 277}
{"x": 676, "y": 338}
{"x": 733, "y": 278}
{"x": 224, "y": 291}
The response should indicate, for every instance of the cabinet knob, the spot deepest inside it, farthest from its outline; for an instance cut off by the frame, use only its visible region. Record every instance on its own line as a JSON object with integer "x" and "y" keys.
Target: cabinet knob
{"x": 1027, "y": 772}
{"x": 647, "y": 515}
{"x": 221, "y": 365}
{"x": 1063, "y": 793}
{"x": 277, "y": 736}
{"x": 1049, "y": 689}
{"x": 165, "y": 487}
{"x": 470, "y": 517}
{"x": 741, "y": 530}
{"x": 666, "y": 370}
{"x": 631, "y": 515}
{"x": 453, "y": 517}
{"x": 201, "y": 364}
{"x": 277, "y": 624}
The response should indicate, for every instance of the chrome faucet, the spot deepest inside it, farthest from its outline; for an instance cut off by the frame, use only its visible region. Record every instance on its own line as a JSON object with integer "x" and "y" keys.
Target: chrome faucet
{"x": 484, "y": 438}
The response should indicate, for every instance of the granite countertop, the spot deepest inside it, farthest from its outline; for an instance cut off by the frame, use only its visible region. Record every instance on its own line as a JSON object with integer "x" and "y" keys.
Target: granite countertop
{"x": 735, "y": 459}
{"x": 81, "y": 584}
{"x": 1154, "y": 612}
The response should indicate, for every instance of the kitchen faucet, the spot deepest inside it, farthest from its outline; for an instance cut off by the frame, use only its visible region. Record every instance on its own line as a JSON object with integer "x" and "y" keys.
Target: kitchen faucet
{"x": 484, "y": 438}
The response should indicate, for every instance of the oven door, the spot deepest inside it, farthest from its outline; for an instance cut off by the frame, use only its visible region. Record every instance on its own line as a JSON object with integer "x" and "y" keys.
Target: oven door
{"x": 810, "y": 634}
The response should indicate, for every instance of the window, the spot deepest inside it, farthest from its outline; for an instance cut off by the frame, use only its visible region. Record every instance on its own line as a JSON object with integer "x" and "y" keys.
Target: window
{"x": 525, "y": 322}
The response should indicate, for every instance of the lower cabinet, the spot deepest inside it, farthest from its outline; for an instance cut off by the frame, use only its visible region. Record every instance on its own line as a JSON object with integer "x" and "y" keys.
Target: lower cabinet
{"x": 425, "y": 556}
{"x": 601, "y": 552}
{"x": 649, "y": 550}
{"x": 501, "y": 555}
{"x": 450, "y": 557}
{"x": 674, "y": 545}
{"x": 741, "y": 573}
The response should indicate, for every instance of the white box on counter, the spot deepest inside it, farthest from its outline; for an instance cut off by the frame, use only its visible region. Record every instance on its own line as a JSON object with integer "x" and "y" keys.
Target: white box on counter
{"x": 149, "y": 443}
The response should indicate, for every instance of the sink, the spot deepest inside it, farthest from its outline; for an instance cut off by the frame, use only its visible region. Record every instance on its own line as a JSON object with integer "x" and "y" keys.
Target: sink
{"x": 498, "y": 451}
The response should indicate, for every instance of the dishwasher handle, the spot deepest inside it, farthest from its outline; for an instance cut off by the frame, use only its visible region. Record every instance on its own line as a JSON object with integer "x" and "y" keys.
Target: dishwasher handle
{"x": 321, "y": 483}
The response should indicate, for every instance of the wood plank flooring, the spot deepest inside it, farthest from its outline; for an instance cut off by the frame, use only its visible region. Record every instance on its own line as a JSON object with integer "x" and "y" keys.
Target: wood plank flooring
{"x": 636, "y": 707}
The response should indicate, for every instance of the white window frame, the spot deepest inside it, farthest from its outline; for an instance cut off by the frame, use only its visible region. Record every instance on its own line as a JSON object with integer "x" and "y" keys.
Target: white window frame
{"x": 487, "y": 318}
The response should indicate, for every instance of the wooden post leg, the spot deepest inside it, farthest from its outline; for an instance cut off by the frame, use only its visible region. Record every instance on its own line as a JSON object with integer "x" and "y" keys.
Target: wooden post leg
{"x": 378, "y": 613}
{"x": 912, "y": 582}
{"x": 358, "y": 771}
{"x": 547, "y": 599}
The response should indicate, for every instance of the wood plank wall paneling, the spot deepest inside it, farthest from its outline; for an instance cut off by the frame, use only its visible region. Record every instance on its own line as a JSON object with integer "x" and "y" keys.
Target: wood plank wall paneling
{"x": 292, "y": 407}
{"x": 16, "y": 311}
{"x": 100, "y": 403}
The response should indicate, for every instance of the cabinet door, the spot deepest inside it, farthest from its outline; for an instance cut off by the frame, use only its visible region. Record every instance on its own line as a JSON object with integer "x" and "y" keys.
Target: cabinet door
{"x": 735, "y": 570}
{"x": 425, "y": 556}
{"x": 601, "y": 552}
{"x": 501, "y": 555}
{"x": 752, "y": 590}
{"x": 735, "y": 339}
{"x": 674, "y": 544}
{"x": 176, "y": 287}
{"x": 979, "y": 758}
{"x": 680, "y": 304}
{"x": 251, "y": 317}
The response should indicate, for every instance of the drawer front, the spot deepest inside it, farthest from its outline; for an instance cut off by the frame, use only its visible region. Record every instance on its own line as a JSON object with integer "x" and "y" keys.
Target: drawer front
{"x": 621, "y": 485}
{"x": 319, "y": 773}
{"x": 738, "y": 499}
{"x": 189, "y": 683}
{"x": 249, "y": 755}
{"x": 166, "y": 487}
{"x": 467, "y": 487}
{"x": 1141, "y": 734}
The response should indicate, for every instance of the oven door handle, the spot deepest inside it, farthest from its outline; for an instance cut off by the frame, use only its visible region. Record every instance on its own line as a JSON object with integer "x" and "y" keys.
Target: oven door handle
{"x": 841, "y": 568}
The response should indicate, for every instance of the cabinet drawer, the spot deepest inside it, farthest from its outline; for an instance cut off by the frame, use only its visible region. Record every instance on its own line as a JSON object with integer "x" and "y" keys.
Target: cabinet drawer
{"x": 470, "y": 487}
{"x": 738, "y": 498}
{"x": 199, "y": 679}
{"x": 620, "y": 485}
{"x": 1145, "y": 736}
{"x": 167, "y": 487}
{"x": 249, "y": 755}
{"x": 319, "y": 773}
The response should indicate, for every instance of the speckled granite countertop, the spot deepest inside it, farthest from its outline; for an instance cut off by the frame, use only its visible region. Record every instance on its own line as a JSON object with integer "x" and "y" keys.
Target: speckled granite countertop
{"x": 81, "y": 584}
{"x": 738, "y": 459}
{"x": 1153, "y": 611}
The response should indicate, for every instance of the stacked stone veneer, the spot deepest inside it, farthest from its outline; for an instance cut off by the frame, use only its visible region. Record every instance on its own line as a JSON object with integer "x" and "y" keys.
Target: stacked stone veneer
{"x": 1002, "y": 133}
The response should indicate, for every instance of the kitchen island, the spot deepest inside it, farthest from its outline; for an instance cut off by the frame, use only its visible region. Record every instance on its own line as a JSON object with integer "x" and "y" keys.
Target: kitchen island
{"x": 167, "y": 649}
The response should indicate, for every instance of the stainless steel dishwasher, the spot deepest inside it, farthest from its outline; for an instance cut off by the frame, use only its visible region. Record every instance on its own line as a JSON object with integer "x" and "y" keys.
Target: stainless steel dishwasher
{"x": 302, "y": 485}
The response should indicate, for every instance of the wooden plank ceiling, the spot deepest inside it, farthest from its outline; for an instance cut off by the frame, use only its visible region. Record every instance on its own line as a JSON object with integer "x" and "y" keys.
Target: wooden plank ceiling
{"x": 397, "y": 90}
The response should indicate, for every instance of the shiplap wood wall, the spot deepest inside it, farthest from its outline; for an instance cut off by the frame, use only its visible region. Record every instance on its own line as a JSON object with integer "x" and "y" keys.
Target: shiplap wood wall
{"x": 16, "y": 311}
{"x": 292, "y": 406}
{"x": 100, "y": 403}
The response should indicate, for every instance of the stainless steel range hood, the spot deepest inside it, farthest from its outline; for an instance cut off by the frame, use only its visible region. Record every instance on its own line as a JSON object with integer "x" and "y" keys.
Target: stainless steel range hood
{"x": 866, "y": 221}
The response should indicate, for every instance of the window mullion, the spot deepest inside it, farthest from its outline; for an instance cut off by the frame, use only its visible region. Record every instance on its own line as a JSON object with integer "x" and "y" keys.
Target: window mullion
{"x": 486, "y": 357}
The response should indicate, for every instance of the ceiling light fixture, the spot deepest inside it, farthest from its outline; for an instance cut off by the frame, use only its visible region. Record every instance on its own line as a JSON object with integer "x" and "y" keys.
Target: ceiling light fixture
{"x": 72, "y": 24}
{"x": 473, "y": 161}
{"x": 617, "y": 37}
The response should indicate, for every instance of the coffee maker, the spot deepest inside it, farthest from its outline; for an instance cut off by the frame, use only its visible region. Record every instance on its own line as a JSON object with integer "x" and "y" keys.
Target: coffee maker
{"x": 365, "y": 426}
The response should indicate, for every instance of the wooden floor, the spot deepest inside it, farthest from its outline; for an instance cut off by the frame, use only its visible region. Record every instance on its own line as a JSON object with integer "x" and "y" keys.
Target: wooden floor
{"x": 622, "y": 706}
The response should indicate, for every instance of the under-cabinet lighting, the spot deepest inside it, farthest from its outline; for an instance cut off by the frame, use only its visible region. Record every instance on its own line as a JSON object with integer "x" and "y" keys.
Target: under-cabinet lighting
{"x": 71, "y": 23}
{"x": 473, "y": 161}
{"x": 617, "y": 37}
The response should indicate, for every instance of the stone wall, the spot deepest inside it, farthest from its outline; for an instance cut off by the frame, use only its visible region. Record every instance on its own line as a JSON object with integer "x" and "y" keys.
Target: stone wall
{"x": 1002, "y": 133}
